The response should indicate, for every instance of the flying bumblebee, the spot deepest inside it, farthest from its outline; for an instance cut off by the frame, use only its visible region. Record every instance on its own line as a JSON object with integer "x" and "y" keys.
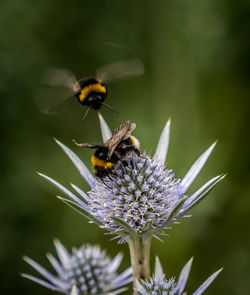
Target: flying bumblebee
{"x": 115, "y": 149}
{"x": 90, "y": 91}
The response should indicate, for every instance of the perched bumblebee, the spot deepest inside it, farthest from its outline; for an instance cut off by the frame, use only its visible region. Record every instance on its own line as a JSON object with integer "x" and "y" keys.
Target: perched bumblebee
{"x": 89, "y": 91}
{"x": 115, "y": 149}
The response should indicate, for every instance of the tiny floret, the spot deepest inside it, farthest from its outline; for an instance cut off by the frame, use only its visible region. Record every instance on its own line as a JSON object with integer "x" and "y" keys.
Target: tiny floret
{"x": 88, "y": 270}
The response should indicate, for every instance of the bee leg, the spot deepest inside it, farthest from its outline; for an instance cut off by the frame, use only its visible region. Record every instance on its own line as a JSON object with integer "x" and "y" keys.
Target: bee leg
{"x": 105, "y": 183}
{"x": 121, "y": 158}
{"x": 111, "y": 175}
{"x": 86, "y": 145}
{"x": 119, "y": 155}
{"x": 139, "y": 155}
{"x": 136, "y": 151}
{"x": 131, "y": 148}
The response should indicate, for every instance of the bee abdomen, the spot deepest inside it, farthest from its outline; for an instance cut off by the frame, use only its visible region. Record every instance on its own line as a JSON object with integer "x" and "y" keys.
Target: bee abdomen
{"x": 92, "y": 90}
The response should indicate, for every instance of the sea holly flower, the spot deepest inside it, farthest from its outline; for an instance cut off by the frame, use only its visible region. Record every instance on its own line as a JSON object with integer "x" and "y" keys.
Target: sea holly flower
{"x": 159, "y": 285}
{"x": 139, "y": 199}
{"x": 142, "y": 196}
{"x": 88, "y": 270}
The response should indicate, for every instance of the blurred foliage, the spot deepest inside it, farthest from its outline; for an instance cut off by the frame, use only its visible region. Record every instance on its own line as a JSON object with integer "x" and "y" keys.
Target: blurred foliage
{"x": 196, "y": 55}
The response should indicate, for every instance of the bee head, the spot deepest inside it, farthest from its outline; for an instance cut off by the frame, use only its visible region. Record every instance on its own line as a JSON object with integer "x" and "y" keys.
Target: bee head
{"x": 102, "y": 153}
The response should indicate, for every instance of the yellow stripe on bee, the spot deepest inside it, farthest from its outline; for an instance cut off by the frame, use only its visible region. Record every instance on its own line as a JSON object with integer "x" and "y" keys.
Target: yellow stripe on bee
{"x": 135, "y": 142}
{"x": 101, "y": 163}
{"x": 132, "y": 140}
{"x": 92, "y": 87}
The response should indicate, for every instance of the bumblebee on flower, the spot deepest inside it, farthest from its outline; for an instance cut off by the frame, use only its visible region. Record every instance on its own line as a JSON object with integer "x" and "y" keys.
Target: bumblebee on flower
{"x": 140, "y": 198}
{"x": 114, "y": 150}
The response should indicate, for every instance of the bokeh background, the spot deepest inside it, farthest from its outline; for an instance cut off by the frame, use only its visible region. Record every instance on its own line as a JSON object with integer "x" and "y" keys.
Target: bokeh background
{"x": 196, "y": 57}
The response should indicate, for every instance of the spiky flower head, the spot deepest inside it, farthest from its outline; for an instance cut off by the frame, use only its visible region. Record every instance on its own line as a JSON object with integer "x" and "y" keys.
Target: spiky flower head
{"x": 159, "y": 285}
{"x": 141, "y": 196}
{"x": 88, "y": 270}
{"x": 139, "y": 191}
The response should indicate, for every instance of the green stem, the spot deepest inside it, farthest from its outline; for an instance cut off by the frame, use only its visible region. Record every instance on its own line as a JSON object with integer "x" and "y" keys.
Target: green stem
{"x": 140, "y": 258}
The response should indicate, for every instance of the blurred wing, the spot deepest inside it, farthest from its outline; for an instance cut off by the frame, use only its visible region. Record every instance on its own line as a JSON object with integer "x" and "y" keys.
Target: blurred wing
{"x": 120, "y": 69}
{"x": 120, "y": 133}
{"x": 56, "y": 86}
{"x": 50, "y": 100}
{"x": 59, "y": 77}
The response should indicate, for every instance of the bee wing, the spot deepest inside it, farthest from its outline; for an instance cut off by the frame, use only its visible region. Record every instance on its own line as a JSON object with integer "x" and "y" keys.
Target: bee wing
{"x": 120, "y": 69}
{"x": 56, "y": 86}
{"x": 120, "y": 133}
{"x": 59, "y": 77}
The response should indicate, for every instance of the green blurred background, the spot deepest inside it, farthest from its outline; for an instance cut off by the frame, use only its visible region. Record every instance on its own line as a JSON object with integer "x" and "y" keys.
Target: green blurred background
{"x": 196, "y": 56}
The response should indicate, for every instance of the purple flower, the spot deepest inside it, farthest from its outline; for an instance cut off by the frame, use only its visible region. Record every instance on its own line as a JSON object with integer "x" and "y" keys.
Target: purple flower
{"x": 88, "y": 270}
{"x": 159, "y": 285}
{"x": 142, "y": 196}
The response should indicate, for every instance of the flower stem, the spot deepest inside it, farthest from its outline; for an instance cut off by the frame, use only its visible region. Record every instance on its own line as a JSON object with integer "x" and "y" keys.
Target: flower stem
{"x": 140, "y": 258}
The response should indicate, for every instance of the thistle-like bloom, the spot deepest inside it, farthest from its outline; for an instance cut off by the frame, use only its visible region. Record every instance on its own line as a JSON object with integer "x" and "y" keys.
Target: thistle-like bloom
{"x": 141, "y": 196}
{"x": 159, "y": 285}
{"x": 88, "y": 270}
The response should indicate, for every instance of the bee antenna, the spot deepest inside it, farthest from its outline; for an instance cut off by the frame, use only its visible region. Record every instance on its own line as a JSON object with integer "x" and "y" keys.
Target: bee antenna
{"x": 108, "y": 106}
{"x": 85, "y": 116}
